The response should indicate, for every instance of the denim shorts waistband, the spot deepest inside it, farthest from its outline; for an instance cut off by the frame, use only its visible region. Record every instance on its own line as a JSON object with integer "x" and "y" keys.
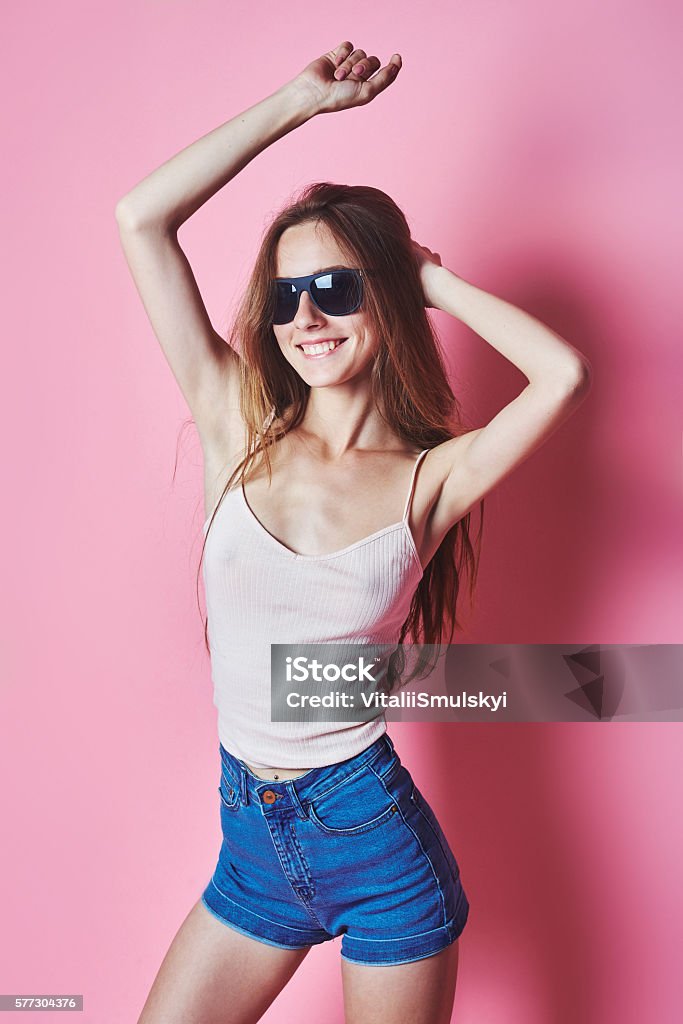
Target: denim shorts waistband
{"x": 309, "y": 785}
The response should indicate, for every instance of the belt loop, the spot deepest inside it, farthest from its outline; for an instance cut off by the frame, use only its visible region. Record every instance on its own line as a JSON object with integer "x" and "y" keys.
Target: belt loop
{"x": 291, "y": 789}
{"x": 389, "y": 741}
{"x": 244, "y": 786}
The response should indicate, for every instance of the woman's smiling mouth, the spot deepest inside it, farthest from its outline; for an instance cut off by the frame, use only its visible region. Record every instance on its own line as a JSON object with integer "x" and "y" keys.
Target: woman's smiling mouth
{"x": 320, "y": 349}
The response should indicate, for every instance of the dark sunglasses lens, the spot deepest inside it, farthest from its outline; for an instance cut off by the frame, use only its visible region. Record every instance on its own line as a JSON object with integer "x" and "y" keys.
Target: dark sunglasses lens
{"x": 338, "y": 292}
{"x": 285, "y": 302}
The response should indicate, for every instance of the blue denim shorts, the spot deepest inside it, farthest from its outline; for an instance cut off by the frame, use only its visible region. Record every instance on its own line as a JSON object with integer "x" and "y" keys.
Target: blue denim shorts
{"x": 350, "y": 849}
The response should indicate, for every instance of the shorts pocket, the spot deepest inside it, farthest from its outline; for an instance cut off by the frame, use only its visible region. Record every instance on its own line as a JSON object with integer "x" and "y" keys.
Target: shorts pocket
{"x": 356, "y": 805}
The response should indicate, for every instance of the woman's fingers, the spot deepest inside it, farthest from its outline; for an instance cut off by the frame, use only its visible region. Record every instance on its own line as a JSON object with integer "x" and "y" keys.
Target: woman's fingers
{"x": 363, "y": 68}
{"x": 348, "y": 60}
{"x": 384, "y": 77}
{"x": 342, "y": 52}
{"x": 353, "y": 65}
{"x": 346, "y": 66}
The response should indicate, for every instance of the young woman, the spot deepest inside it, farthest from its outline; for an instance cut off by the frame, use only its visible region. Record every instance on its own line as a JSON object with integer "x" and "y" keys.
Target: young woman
{"x": 338, "y": 488}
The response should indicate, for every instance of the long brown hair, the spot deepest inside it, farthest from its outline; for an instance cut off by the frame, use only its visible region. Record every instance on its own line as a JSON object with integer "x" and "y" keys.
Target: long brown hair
{"x": 409, "y": 381}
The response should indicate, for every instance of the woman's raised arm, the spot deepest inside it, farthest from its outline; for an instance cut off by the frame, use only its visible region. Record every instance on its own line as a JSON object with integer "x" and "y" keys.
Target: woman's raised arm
{"x": 559, "y": 380}
{"x": 148, "y": 216}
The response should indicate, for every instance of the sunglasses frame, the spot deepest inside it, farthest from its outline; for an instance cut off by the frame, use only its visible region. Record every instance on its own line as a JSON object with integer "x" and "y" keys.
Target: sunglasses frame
{"x": 303, "y": 284}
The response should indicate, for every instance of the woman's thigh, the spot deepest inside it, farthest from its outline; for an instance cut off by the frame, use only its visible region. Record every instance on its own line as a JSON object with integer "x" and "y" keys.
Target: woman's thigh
{"x": 213, "y": 974}
{"x": 421, "y": 991}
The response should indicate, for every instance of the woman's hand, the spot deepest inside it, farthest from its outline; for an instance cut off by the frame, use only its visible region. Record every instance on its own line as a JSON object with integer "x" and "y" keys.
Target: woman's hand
{"x": 428, "y": 263}
{"x": 341, "y": 78}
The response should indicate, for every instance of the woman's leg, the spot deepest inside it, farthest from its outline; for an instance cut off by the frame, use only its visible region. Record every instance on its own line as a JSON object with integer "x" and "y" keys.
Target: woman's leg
{"x": 213, "y": 974}
{"x": 421, "y": 992}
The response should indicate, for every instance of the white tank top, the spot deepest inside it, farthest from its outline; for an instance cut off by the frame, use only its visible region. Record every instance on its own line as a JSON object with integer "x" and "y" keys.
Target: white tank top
{"x": 259, "y": 592}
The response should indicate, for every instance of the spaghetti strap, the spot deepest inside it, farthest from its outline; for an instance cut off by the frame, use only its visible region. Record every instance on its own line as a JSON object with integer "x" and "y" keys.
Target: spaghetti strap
{"x": 412, "y": 481}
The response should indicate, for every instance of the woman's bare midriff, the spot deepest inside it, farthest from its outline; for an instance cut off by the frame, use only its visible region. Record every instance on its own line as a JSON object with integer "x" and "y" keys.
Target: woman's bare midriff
{"x": 276, "y": 774}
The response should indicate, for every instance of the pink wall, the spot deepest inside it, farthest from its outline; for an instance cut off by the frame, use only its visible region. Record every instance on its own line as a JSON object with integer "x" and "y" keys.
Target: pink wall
{"x": 533, "y": 147}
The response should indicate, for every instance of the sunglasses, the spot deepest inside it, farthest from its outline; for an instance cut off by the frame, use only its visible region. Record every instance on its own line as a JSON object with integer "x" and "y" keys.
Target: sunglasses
{"x": 334, "y": 292}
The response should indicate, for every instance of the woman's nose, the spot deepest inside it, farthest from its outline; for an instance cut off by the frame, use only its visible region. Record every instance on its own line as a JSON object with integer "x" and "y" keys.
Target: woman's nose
{"x": 307, "y": 309}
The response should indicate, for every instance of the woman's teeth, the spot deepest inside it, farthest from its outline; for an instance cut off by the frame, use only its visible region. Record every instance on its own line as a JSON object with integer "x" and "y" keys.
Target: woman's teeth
{"x": 321, "y": 348}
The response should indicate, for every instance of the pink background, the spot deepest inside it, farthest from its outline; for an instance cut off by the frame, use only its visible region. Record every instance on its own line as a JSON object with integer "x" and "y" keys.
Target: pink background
{"x": 537, "y": 149}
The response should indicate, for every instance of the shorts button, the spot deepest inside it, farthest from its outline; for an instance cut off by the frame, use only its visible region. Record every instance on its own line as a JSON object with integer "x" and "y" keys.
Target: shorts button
{"x": 269, "y": 797}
